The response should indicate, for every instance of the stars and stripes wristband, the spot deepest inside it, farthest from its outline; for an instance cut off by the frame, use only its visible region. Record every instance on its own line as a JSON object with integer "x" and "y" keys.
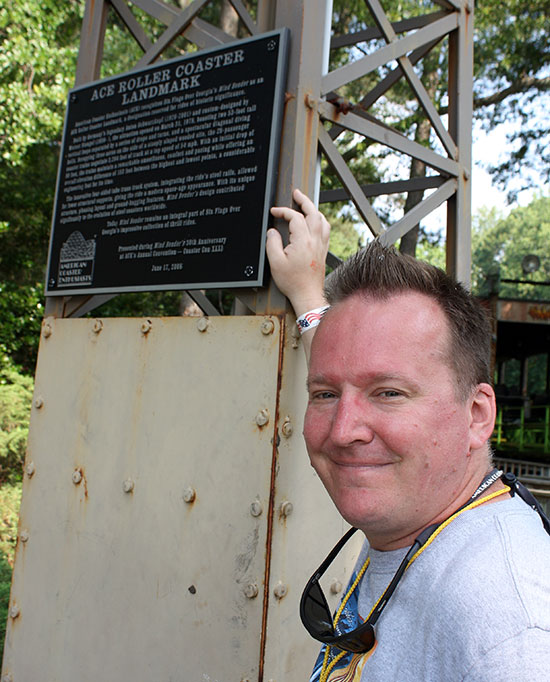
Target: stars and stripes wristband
{"x": 311, "y": 318}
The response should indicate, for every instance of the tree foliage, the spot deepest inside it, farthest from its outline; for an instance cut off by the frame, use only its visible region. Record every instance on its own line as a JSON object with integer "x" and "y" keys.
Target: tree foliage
{"x": 512, "y": 86}
{"x": 500, "y": 243}
{"x": 15, "y": 404}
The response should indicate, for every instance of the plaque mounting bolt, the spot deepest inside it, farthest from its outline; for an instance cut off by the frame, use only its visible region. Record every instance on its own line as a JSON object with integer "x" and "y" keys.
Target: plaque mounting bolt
{"x": 97, "y": 326}
{"x": 128, "y": 485}
{"x": 189, "y": 495}
{"x": 280, "y": 590}
{"x": 47, "y": 331}
{"x": 7, "y": 677}
{"x": 262, "y": 418}
{"x": 39, "y": 402}
{"x": 286, "y": 428}
{"x": 24, "y": 536}
{"x": 77, "y": 476}
{"x": 286, "y": 508}
{"x": 14, "y": 611}
{"x": 267, "y": 327}
{"x": 30, "y": 469}
{"x": 251, "y": 591}
{"x": 256, "y": 508}
{"x": 203, "y": 324}
{"x": 146, "y": 327}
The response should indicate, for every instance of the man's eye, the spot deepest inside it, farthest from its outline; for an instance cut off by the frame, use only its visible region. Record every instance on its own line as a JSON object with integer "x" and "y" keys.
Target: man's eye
{"x": 322, "y": 395}
{"x": 389, "y": 393}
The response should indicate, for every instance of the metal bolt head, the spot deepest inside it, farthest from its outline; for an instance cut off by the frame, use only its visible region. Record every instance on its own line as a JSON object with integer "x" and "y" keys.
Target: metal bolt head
{"x": 128, "y": 485}
{"x": 97, "y": 326}
{"x": 39, "y": 402}
{"x": 286, "y": 428}
{"x": 262, "y": 418}
{"x": 335, "y": 586}
{"x": 268, "y": 327}
{"x": 280, "y": 590}
{"x": 24, "y": 536}
{"x": 146, "y": 327}
{"x": 14, "y": 611}
{"x": 77, "y": 476}
{"x": 189, "y": 495}
{"x": 7, "y": 677}
{"x": 250, "y": 591}
{"x": 47, "y": 330}
{"x": 256, "y": 508}
{"x": 30, "y": 469}
{"x": 203, "y": 324}
{"x": 286, "y": 508}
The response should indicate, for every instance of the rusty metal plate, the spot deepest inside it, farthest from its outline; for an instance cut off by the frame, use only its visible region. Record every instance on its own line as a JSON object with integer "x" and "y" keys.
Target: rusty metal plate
{"x": 303, "y": 534}
{"x": 145, "y": 515}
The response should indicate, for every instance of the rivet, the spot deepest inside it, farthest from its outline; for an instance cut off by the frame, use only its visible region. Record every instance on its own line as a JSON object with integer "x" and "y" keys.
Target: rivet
{"x": 286, "y": 508}
{"x": 24, "y": 536}
{"x": 30, "y": 469}
{"x": 14, "y": 611}
{"x": 97, "y": 326}
{"x": 128, "y": 485}
{"x": 251, "y": 591}
{"x": 256, "y": 508}
{"x": 189, "y": 495}
{"x": 146, "y": 326}
{"x": 203, "y": 324}
{"x": 47, "y": 331}
{"x": 77, "y": 476}
{"x": 7, "y": 677}
{"x": 286, "y": 428}
{"x": 39, "y": 402}
{"x": 335, "y": 586}
{"x": 280, "y": 590}
{"x": 268, "y": 327}
{"x": 262, "y": 417}
{"x": 192, "y": 589}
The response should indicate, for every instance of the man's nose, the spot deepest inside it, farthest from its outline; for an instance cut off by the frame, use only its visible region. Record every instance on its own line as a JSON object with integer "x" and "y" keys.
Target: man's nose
{"x": 351, "y": 422}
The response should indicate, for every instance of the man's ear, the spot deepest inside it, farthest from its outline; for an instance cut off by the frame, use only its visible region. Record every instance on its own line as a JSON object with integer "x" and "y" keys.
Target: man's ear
{"x": 482, "y": 415}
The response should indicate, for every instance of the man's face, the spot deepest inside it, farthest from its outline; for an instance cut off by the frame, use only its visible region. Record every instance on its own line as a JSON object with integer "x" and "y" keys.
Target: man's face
{"x": 384, "y": 428}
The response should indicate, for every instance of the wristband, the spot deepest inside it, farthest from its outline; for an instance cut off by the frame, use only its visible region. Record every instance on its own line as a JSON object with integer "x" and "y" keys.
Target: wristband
{"x": 311, "y": 318}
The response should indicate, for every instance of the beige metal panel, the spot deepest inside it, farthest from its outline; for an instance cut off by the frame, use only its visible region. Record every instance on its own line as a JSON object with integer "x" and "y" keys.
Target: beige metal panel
{"x": 303, "y": 534}
{"x": 122, "y": 575}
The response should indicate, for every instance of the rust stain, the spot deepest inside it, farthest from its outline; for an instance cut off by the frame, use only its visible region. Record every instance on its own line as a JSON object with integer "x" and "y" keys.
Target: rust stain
{"x": 271, "y": 506}
{"x": 311, "y": 120}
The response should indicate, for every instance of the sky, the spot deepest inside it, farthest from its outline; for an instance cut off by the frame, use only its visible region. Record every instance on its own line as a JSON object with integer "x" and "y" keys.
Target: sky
{"x": 484, "y": 192}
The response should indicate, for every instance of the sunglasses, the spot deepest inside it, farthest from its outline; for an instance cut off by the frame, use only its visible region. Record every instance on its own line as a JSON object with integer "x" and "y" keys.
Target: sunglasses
{"x": 315, "y": 611}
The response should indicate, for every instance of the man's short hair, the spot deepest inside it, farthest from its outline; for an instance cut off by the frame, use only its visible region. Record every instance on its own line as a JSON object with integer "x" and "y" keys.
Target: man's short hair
{"x": 379, "y": 272}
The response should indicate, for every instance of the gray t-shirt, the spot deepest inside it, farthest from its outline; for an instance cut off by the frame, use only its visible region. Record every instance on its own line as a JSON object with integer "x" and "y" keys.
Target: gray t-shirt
{"x": 474, "y": 606}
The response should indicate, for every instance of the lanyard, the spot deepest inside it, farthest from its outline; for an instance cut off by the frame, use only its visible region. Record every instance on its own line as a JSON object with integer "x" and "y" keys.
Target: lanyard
{"x": 423, "y": 540}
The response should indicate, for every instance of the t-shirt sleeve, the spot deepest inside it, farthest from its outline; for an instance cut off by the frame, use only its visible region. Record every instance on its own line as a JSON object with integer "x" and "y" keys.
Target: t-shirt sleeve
{"x": 523, "y": 658}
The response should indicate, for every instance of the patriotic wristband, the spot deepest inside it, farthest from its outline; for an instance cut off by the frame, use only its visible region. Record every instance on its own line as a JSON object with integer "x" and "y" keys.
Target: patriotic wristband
{"x": 311, "y": 318}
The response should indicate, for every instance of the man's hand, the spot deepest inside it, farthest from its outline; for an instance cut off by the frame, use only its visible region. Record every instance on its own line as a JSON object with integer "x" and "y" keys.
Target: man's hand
{"x": 299, "y": 268}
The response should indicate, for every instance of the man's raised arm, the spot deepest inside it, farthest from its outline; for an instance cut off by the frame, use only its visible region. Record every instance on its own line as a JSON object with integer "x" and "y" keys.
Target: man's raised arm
{"x": 299, "y": 268}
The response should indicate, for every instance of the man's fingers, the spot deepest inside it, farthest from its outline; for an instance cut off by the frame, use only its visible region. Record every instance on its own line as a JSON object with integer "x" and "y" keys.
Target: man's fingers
{"x": 304, "y": 202}
{"x": 274, "y": 246}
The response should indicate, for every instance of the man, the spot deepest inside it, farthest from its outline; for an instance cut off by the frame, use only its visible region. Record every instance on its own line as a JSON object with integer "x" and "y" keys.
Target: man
{"x": 399, "y": 416}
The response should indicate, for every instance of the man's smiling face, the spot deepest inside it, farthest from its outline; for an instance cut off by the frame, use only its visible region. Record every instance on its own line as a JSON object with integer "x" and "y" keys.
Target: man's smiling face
{"x": 385, "y": 428}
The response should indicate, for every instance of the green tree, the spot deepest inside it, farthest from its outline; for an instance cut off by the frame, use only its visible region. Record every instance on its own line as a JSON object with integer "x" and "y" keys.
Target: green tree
{"x": 499, "y": 245}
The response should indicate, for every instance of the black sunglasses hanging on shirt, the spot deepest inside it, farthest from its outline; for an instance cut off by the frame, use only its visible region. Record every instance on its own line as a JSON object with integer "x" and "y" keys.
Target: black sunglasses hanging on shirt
{"x": 315, "y": 611}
